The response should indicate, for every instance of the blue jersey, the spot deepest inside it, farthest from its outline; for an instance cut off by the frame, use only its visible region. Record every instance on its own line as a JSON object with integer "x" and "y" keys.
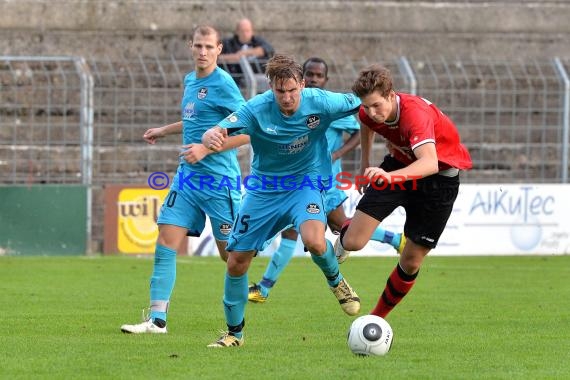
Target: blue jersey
{"x": 292, "y": 146}
{"x": 206, "y": 101}
{"x": 335, "y": 138}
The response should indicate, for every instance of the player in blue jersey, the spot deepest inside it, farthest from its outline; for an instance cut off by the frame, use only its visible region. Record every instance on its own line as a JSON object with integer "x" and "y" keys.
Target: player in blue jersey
{"x": 287, "y": 128}
{"x": 315, "y": 74}
{"x": 210, "y": 94}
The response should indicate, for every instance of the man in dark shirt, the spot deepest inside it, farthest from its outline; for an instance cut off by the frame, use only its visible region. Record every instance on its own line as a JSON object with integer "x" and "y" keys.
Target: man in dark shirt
{"x": 245, "y": 44}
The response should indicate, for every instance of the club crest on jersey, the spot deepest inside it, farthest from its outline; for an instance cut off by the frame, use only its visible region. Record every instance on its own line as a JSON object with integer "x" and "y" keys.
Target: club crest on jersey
{"x": 202, "y": 93}
{"x": 313, "y": 121}
{"x": 313, "y": 208}
{"x": 225, "y": 228}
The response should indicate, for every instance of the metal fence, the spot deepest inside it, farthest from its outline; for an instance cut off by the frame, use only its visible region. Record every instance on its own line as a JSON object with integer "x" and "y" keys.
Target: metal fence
{"x": 74, "y": 120}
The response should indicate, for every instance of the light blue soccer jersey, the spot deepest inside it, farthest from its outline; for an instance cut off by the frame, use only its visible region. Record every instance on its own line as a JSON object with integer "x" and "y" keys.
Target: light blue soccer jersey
{"x": 335, "y": 138}
{"x": 206, "y": 101}
{"x": 293, "y": 146}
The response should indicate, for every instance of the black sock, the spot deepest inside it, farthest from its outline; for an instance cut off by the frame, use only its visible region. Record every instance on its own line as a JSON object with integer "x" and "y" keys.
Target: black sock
{"x": 159, "y": 322}
{"x": 236, "y": 329}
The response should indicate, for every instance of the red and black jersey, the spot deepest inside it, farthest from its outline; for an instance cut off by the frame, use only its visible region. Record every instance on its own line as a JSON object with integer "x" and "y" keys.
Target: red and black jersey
{"x": 418, "y": 122}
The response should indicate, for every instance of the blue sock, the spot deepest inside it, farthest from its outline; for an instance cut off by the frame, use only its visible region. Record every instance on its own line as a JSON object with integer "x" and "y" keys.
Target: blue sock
{"x": 328, "y": 264}
{"x": 278, "y": 262}
{"x": 162, "y": 281}
{"x": 235, "y": 299}
{"x": 388, "y": 237}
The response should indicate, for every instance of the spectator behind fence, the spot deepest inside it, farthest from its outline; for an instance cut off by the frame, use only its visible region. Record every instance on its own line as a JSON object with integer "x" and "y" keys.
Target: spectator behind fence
{"x": 244, "y": 43}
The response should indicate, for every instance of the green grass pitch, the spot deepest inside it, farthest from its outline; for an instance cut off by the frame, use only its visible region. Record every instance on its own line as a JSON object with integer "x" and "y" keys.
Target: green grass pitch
{"x": 469, "y": 317}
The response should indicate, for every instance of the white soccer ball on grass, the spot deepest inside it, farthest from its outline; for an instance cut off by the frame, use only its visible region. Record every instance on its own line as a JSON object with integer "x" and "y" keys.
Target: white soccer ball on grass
{"x": 370, "y": 335}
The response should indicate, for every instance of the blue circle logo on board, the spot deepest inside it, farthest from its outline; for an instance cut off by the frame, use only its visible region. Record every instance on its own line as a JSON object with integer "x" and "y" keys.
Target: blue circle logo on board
{"x": 526, "y": 235}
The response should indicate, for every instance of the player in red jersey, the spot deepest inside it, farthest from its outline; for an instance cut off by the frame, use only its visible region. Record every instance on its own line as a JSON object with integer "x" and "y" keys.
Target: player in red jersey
{"x": 421, "y": 174}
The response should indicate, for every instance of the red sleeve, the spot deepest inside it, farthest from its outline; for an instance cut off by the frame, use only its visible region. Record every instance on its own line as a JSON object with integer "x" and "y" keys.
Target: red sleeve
{"x": 364, "y": 117}
{"x": 417, "y": 126}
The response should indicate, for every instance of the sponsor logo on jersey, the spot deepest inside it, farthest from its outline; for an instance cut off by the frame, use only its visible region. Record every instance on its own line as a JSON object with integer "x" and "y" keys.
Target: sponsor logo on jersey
{"x": 313, "y": 208}
{"x": 202, "y": 93}
{"x": 225, "y": 228}
{"x": 188, "y": 111}
{"x": 313, "y": 121}
{"x": 232, "y": 118}
{"x": 295, "y": 147}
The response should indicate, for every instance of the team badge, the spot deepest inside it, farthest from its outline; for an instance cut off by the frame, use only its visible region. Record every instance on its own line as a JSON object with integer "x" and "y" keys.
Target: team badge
{"x": 313, "y": 121}
{"x": 202, "y": 93}
{"x": 313, "y": 208}
{"x": 225, "y": 228}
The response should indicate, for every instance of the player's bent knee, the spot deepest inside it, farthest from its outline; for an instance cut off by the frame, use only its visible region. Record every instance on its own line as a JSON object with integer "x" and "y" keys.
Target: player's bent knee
{"x": 237, "y": 269}
{"x": 290, "y": 234}
{"x": 238, "y": 263}
{"x": 352, "y": 243}
{"x": 316, "y": 248}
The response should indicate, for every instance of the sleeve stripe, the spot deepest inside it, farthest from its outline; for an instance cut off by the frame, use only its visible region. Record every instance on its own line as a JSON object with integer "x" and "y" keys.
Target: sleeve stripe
{"x": 422, "y": 143}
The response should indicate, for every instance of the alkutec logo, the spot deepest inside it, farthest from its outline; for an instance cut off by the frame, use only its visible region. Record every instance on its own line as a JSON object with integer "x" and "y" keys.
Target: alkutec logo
{"x": 343, "y": 181}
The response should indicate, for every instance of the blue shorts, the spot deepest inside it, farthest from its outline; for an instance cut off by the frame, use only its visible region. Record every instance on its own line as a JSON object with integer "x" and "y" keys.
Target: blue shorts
{"x": 334, "y": 198}
{"x": 264, "y": 214}
{"x": 187, "y": 207}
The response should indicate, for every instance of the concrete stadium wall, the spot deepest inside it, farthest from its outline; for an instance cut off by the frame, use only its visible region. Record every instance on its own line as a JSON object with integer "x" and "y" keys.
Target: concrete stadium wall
{"x": 349, "y": 28}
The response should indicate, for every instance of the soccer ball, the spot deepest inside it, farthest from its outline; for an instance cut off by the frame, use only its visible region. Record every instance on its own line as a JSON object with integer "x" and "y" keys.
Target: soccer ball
{"x": 370, "y": 335}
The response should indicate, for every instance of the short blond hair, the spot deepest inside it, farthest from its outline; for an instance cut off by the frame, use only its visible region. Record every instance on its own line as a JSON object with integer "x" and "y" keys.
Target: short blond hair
{"x": 207, "y": 30}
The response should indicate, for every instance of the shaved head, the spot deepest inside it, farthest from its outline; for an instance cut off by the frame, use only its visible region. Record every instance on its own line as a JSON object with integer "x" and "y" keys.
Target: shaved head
{"x": 244, "y": 30}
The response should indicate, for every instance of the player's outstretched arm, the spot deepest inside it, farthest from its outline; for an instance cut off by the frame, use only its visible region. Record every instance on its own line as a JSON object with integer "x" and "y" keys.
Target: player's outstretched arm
{"x": 194, "y": 153}
{"x": 151, "y": 135}
{"x": 214, "y": 138}
{"x": 352, "y": 142}
{"x": 235, "y": 141}
{"x": 425, "y": 165}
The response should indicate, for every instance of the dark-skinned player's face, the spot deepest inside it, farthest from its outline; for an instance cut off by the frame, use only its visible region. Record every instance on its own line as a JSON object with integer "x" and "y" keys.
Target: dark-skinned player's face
{"x": 315, "y": 75}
